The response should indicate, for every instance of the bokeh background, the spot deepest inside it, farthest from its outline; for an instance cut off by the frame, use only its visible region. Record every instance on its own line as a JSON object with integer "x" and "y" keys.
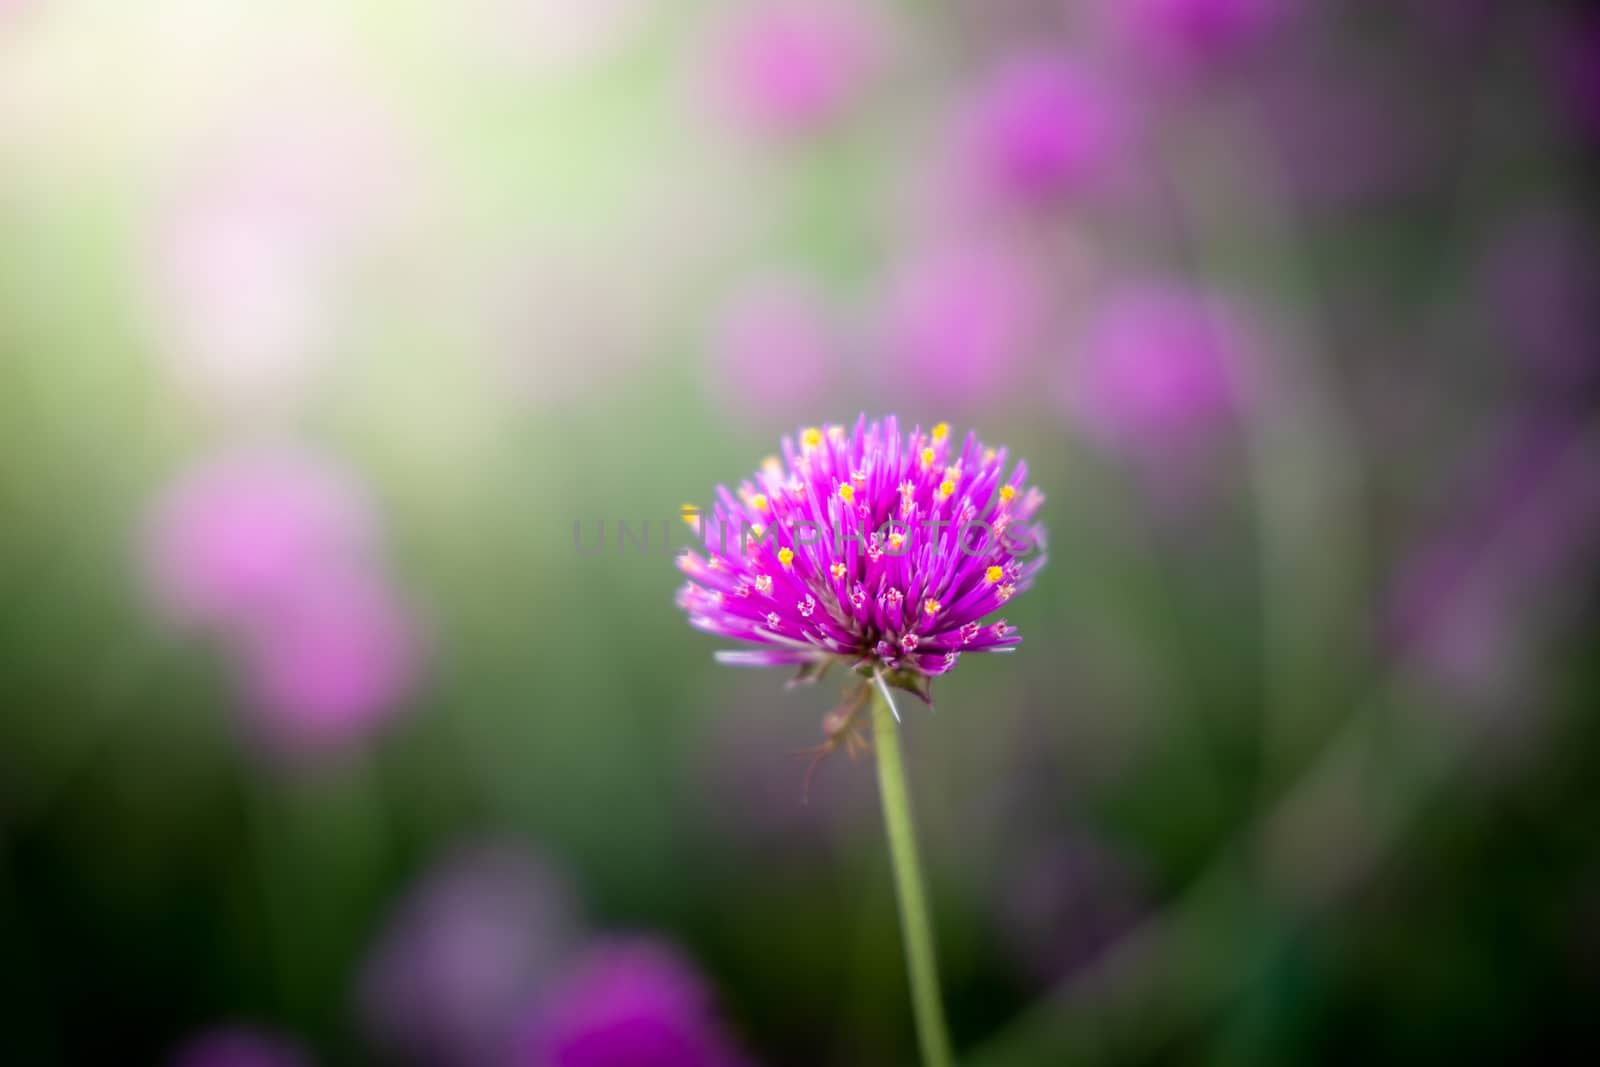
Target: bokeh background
{"x": 323, "y": 321}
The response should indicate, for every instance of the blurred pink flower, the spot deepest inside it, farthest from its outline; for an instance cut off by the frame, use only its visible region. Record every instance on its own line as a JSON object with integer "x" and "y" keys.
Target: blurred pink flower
{"x": 777, "y": 348}
{"x": 1162, "y": 367}
{"x": 796, "y": 66}
{"x": 462, "y": 954}
{"x": 960, "y": 320}
{"x": 332, "y": 664}
{"x": 1181, "y": 37}
{"x": 238, "y": 535}
{"x": 1040, "y": 128}
{"x": 239, "y": 1047}
{"x": 628, "y": 1004}
{"x": 249, "y": 258}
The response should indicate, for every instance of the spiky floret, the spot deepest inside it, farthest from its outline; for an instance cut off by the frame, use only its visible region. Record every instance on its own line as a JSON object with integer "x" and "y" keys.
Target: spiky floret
{"x": 881, "y": 550}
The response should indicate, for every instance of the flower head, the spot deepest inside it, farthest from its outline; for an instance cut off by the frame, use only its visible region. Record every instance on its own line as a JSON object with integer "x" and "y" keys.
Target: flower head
{"x": 460, "y": 956}
{"x": 1184, "y": 36}
{"x": 899, "y": 575}
{"x": 628, "y": 1004}
{"x": 960, "y": 317}
{"x": 1043, "y": 127}
{"x": 332, "y": 665}
{"x": 1161, "y": 368}
{"x": 239, "y": 535}
{"x": 795, "y": 66}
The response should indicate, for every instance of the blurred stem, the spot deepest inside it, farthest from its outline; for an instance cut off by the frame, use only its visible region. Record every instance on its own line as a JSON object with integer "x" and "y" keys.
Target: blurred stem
{"x": 932, "y": 1034}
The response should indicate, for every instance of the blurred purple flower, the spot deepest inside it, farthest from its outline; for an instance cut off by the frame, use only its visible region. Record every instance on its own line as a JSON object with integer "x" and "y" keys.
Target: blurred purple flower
{"x": 1181, "y": 37}
{"x": 628, "y": 1004}
{"x": 329, "y": 666}
{"x": 796, "y": 66}
{"x": 777, "y": 349}
{"x": 239, "y": 535}
{"x": 1040, "y": 128}
{"x": 961, "y": 319}
{"x": 462, "y": 954}
{"x": 1543, "y": 285}
{"x": 1161, "y": 369}
{"x": 239, "y": 1047}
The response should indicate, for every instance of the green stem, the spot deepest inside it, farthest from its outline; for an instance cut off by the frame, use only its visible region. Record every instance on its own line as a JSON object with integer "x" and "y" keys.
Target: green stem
{"x": 932, "y": 1034}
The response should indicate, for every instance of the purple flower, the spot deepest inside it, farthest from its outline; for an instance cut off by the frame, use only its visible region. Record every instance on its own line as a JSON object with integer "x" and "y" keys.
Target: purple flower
{"x": 243, "y": 533}
{"x": 1041, "y": 128}
{"x": 777, "y": 348}
{"x": 628, "y": 1004}
{"x": 331, "y": 665}
{"x": 868, "y": 547}
{"x": 794, "y": 66}
{"x": 960, "y": 318}
{"x": 463, "y": 953}
{"x": 1185, "y": 36}
{"x": 239, "y": 1047}
{"x": 1161, "y": 368}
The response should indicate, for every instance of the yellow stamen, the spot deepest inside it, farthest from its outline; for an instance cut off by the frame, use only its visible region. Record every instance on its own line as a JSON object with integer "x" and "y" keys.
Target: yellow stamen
{"x": 691, "y": 514}
{"x": 847, "y": 492}
{"x": 1007, "y": 492}
{"x": 759, "y": 502}
{"x": 947, "y": 487}
{"x": 786, "y": 556}
{"x": 989, "y": 454}
{"x": 941, "y": 431}
{"x": 927, "y": 457}
{"x": 994, "y": 574}
{"x": 896, "y": 539}
{"x": 837, "y": 570}
{"x": 931, "y": 606}
{"x": 811, "y": 437}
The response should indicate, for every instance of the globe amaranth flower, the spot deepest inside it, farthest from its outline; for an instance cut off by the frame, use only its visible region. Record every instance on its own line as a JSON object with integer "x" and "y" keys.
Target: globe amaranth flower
{"x": 1043, "y": 127}
{"x": 1178, "y": 37}
{"x": 629, "y": 1003}
{"x": 794, "y": 67}
{"x": 884, "y": 551}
